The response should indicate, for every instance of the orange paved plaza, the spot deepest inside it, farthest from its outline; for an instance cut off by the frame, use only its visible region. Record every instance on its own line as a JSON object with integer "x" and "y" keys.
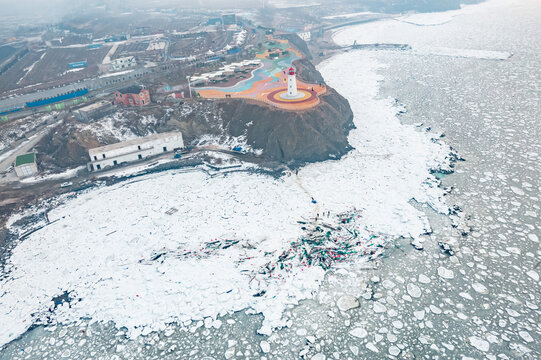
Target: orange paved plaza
{"x": 269, "y": 81}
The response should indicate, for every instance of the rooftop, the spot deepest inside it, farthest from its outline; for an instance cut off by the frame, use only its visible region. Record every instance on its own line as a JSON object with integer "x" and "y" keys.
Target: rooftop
{"x": 29, "y": 158}
{"x": 136, "y": 141}
{"x": 125, "y": 58}
{"x": 134, "y": 89}
{"x": 94, "y": 106}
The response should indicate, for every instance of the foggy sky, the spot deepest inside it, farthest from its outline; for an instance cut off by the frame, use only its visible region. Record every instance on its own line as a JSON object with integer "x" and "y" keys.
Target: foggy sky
{"x": 54, "y": 9}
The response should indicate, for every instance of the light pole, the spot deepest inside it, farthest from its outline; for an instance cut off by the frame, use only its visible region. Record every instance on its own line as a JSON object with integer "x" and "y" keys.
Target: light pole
{"x": 189, "y": 86}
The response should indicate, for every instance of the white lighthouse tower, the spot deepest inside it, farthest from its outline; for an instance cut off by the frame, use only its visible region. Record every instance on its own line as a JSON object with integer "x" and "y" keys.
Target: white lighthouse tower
{"x": 291, "y": 84}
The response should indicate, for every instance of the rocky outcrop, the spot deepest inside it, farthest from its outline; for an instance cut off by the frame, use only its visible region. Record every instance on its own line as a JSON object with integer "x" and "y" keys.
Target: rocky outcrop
{"x": 64, "y": 148}
{"x": 307, "y": 72}
{"x": 293, "y": 137}
{"x": 298, "y": 43}
{"x": 289, "y": 136}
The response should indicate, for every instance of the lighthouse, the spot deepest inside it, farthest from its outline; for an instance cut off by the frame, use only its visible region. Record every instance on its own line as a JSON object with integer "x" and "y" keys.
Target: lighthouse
{"x": 291, "y": 84}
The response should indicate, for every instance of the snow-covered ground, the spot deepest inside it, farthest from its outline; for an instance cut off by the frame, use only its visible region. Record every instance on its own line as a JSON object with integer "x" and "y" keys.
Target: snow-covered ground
{"x": 117, "y": 125}
{"x": 28, "y": 70}
{"x": 63, "y": 175}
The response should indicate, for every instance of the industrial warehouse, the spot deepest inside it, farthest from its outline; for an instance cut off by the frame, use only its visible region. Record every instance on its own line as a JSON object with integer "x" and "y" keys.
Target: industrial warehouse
{"x": 107, "y": 156}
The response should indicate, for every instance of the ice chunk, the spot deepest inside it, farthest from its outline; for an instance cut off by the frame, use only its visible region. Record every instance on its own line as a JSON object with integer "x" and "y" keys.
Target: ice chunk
{"x": 517, "y": 191}
{"x": 394, "y": 350}
{"x": 358, "y": 332}
{"x": 229, "y": 353}
{"x": 265, "y": 346}
{"x": 370, "y": 346}
{"x": 479, "y": 343}
{"x": 533, "y": 274}
{"x": 445, "y": 273}
{"x": 379, "y": 307}
{"x": 347, "y": 302}
{"x": 480, "y": 288}
{"x": 413, "y": 290}
{"x": 526, "y": 336}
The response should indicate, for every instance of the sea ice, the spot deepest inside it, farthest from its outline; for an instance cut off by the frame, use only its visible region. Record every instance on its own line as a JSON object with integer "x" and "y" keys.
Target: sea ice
{"x": 413, "y": 290}
{"x": 480, "y": 288}
{"x": 370, "y": 346}
{"x": 347, "y": 302}
{"x": 445, "y": 273}
{"x": 265, "y": 346}
{"x": 379, "y": 307}
{"x": 526, "y": 336}
{"x": 419, "y": 315}
{"x": 359, "y": 332}
{"x": 533, "y": 274}
{"x": 479, "y": 343}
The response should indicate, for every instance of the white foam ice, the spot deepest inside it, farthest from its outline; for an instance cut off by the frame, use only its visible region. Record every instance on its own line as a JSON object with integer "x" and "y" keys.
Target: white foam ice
{"x": 98, "y": 249}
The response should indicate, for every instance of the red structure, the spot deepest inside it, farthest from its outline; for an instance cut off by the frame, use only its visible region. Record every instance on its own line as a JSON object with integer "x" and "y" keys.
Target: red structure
{"x": 132, "y": 96}
{"x": 291, "y": 71}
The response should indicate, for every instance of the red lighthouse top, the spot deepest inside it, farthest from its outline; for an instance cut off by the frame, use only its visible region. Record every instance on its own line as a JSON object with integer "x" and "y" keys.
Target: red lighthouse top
{"x": 291, "y": 71}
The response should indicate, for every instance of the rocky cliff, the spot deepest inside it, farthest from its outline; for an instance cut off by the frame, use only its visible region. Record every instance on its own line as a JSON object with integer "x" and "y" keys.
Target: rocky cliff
{"x": 292, "y": 137}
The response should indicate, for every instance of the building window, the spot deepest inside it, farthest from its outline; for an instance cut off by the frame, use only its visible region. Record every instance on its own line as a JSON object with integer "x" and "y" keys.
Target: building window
{"x": 138, "y": 147}
{"x": 103, "y": 155}
{"x": 140, "y": 156}
{"x": 115, "y": 162}
{"x": 164, "y": 148}
{"x": 95, "y": 157}
{"x": 98, "y": 166}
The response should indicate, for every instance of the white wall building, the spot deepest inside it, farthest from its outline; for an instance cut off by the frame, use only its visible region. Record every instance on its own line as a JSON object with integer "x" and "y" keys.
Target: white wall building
{"x": 133, "y": 150}
{"x": 305, "y": 35}
{"x": 123, "y": 63}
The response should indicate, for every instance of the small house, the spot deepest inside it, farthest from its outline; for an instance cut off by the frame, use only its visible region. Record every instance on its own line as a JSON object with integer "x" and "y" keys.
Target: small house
{"x": 132, "y": 96}
{"x": 26, "y": 165}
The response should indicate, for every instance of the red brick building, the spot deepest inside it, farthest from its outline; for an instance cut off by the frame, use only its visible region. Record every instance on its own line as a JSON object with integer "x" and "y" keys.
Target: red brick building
{"x": 132, "y": 96}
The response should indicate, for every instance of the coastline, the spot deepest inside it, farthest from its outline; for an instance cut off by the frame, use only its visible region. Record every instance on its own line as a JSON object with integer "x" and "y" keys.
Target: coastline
{"x": 408, "y": 301}
{"x": 318, "y": 178}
